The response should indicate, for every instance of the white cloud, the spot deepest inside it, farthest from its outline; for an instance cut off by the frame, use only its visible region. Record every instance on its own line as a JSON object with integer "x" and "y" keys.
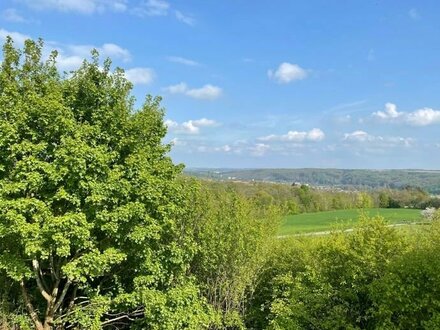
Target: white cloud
{"x": 182, "y": 60}
{"x": 314, "y": 135}
{"x": 180, "y": 88}
{"x": 78, "y": 6}
{"x": 423, "y": 117}
{"x": 206, "y": 92}
{"x": 17, "y": 37}
{"x": 140, "y": 76}
{"x": 106, "y": 50}
{"x": 157, "y": 7}
{"x": 12, "y": 15}
{"x": 188, "y": 20}
{"x": 259, "y": 149}
{"x": 238, "y": 147}
{"x": 193, "y": 126}
{"x": 68, "y": 62}
{"x": 190, "y": 126}
{"x": 390, "y": 141}
{"x": 204, "y": 122}
{"x": 171, "y": 124}
{"x": 287, "y": 73}
{"x": 390, "y": 112}
{"x": 143, "y": 8}
{"x": 70, "y": 57}
{"x": 420, "y": 117}
{"x": 359, "y": 136}
{"x": 178, "y": 142}
{"x": 225, "y": 148}
{"x": 152, "y": 8}
{"x": 115, "y": 51}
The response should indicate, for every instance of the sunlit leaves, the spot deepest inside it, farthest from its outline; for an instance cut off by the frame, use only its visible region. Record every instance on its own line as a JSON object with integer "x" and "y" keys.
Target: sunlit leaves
{"x": 89, "y": 199}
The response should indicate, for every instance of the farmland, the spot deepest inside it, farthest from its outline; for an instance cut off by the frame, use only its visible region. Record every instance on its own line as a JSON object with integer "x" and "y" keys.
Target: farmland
{"x": 324, "y": 221}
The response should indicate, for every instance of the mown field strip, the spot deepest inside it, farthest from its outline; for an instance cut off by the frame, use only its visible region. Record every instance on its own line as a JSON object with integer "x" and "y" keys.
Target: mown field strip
{"x": 342, "y": 220}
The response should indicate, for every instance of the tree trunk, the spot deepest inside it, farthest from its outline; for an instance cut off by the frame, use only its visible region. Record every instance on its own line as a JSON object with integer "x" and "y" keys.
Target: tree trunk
{"x": 48, "y": 322}
{"x": 32, "y": 313}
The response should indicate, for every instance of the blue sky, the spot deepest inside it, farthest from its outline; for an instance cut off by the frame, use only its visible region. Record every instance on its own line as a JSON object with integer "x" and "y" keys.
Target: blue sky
{"x": 346, "y": 84}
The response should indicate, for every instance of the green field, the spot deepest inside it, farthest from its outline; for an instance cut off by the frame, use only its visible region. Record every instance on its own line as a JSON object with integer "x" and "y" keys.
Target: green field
{"x": 324, "y": 221}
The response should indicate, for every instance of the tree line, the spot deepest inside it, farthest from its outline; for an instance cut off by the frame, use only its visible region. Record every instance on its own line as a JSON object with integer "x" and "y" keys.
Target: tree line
{"x": 296, "y": 199}
{"x": 428, "y": 180}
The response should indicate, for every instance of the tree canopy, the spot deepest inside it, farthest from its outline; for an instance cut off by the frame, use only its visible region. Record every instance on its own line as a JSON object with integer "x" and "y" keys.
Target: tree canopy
{"x": 92, "y": 212}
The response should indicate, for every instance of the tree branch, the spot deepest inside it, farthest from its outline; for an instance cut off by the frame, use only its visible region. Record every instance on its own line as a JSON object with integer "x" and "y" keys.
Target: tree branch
{"x": 54, "y": 272}
{"x": 62, "y": 296}
{"x": 42, "y": 279}
{"x": 36, "y": 266}
{"x": 55, "y": 288}
{"x": 120, "y": 316}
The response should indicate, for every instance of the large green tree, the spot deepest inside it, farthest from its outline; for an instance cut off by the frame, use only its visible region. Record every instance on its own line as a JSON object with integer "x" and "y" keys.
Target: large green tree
{"x": 93, "y": 221}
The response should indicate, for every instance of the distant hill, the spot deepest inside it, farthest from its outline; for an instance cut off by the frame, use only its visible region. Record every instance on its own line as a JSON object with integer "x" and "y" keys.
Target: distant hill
{"x": 428, "y": 180}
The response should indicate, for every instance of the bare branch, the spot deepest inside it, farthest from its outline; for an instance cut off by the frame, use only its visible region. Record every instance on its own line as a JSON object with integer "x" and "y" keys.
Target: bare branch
{"x": 125, "y": 316}
{"x": 36, "y": 266}
{"x": 121, "y": 316}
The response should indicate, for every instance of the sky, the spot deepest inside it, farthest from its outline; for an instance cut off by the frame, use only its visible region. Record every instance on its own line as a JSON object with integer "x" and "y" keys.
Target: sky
{"x": 273, "y": 84}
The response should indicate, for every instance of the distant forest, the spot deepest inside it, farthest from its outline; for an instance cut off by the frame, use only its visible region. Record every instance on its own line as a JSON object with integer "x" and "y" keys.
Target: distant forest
{"x": 428, "y": 180}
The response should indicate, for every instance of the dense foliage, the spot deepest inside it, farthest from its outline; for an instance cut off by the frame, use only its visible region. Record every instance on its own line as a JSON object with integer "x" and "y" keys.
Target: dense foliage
{"x": 295, "y": 199}
{"x": 374, "y": 278}
{"x": 99, "y": 229}
{"x": 92, "y": 215}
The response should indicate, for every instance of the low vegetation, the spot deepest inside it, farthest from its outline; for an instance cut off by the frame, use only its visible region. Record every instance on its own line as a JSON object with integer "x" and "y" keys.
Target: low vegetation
{"x": 375, "y": 277}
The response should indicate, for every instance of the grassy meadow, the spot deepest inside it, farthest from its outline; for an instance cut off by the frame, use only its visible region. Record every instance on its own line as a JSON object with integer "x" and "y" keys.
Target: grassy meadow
{"x": 324, "y": 221}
